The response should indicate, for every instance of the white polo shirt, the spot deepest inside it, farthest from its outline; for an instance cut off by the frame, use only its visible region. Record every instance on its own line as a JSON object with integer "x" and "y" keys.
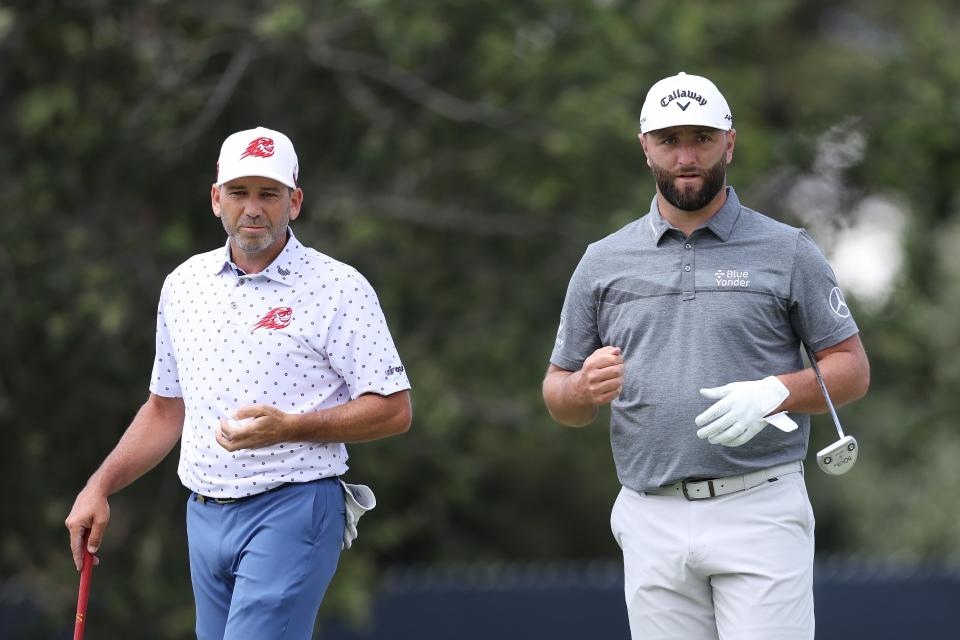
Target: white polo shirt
{"x": 305, "y": 334}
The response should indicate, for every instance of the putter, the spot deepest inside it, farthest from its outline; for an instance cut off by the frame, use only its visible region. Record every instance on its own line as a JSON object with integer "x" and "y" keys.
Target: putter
{"x": 84, "y": 596}
{"x": 839, "y": 457}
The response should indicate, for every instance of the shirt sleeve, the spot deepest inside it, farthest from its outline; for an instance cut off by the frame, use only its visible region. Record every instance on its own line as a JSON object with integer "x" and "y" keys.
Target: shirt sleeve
{"x": 818, "y": 310}
{"x": 359, "y": 345}
{"x": 165, "y": 379}
{"x": 577, "y": 336}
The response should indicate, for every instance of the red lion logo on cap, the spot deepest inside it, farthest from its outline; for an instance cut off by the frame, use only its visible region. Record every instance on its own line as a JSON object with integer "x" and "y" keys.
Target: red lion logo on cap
{"x": 260, "y": 148}
{"x": 276, "y": 318}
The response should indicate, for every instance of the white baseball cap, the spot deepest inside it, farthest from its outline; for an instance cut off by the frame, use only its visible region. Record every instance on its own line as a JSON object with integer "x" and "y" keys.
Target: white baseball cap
{"x": 684, "y": 100}
{"x": 258, "y": 152}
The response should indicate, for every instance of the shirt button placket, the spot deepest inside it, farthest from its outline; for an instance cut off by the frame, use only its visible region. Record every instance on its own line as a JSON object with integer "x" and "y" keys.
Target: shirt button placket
{"x": 688, "y": 276}
{"x": 234, "y": 294}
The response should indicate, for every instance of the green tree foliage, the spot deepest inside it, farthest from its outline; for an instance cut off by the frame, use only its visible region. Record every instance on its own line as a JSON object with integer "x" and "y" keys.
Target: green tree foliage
{"x": 461, "y": 154}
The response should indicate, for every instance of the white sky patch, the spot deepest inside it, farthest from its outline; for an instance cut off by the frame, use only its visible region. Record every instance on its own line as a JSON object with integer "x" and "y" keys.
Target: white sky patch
{"x": 864, "y": 247}
{"x": 841, "y": 147}
{"x": 817, "y": 197}
{"x": 867, "y": 255}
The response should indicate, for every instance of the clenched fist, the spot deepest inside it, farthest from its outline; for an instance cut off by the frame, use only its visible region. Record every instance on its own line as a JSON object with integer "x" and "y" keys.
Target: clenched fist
{"x": 600, "y": 379}
{"x": 254, "y": 426}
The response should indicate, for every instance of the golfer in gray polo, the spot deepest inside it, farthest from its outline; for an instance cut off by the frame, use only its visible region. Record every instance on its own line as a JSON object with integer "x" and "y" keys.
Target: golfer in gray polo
{"x": 690, "y": 322}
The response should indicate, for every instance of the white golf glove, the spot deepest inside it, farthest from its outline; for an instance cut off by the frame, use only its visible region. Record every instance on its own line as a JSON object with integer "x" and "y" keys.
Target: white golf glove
{"x": 358, "y": 499}
{"x": 739, "y": 412}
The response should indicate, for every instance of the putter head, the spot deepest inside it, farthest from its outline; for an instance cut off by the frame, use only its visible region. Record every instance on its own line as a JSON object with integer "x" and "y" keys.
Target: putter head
{"x": 839, "y": 457}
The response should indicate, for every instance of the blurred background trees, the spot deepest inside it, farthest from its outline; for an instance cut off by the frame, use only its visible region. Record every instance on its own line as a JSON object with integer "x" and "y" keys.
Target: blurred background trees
{"x": 461, "y": 154}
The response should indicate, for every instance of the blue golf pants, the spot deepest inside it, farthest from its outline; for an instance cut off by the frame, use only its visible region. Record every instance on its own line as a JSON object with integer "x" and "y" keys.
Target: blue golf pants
{"x": 260, "y": 566}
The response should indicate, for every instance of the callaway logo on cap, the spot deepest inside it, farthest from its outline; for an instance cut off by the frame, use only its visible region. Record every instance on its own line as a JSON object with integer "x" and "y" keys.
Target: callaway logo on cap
{"x": 684, "y": 100}
{"x": 258, "y": 152}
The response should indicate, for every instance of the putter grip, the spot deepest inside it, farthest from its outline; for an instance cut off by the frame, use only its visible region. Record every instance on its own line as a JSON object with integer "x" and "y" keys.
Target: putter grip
{"x": 84, "y": 596}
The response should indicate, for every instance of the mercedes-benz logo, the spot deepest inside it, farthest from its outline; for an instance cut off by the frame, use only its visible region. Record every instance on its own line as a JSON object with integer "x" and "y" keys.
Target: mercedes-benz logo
{"x": 838, "y": 304}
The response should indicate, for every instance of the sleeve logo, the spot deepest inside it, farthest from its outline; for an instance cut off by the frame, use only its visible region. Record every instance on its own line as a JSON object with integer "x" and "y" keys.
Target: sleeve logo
{"x": 838, "y": 304}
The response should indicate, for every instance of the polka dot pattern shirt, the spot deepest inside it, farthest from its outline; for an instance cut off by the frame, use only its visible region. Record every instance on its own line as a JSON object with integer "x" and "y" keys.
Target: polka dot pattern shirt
{"x": 305, "y": 334}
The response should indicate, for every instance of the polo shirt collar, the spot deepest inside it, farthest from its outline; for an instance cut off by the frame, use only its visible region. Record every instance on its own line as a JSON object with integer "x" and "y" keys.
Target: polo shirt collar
{"x": 280, "y": 270}
{"x": 723, "y": 220}
{"x": 721, "y": 224}
{"x": 658, "y": 226}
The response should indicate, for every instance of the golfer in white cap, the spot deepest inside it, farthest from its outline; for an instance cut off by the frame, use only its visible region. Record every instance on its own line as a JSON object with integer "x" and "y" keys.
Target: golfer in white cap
{"x": 689, "y": 322}
{"x": 270, "y": 356}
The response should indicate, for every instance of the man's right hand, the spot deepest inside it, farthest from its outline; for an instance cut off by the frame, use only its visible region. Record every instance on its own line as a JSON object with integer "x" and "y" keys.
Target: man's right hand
{"x": 90, "y": 512}
{"x": 600, "y": 379}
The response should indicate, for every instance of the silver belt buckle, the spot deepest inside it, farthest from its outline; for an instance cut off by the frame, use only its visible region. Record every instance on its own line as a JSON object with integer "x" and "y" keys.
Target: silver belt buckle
{"x": 686, "y": 494}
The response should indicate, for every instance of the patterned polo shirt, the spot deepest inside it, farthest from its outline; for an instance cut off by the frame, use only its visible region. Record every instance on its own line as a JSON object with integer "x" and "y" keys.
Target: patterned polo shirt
{"x": 731, "y": 302}
{"x": 305, "y": 334}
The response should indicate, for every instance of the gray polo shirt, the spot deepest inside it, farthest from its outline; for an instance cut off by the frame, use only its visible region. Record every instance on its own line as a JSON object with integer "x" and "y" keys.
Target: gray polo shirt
{"x": 731, "y": 302}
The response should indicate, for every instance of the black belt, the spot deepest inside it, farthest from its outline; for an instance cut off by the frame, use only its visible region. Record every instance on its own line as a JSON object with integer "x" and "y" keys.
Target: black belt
{"x": 204, "y": 499}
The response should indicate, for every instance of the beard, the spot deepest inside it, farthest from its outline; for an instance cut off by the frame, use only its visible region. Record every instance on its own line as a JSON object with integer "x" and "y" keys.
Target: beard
{"x": 691, "y": 199}
{"x": 257, "y": 244}
{"x": 254, "y": 243}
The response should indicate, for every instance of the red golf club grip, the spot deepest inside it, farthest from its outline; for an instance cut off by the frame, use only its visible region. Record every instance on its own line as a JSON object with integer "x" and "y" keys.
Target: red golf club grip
{"x": 84, "y": 594}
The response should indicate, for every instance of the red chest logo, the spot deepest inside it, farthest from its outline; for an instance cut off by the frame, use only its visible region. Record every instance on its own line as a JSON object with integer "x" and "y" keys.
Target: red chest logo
{"x": 260, "y": 147}
{"x": 277, "y": 318}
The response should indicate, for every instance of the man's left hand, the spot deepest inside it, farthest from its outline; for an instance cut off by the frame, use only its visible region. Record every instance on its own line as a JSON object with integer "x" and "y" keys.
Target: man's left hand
{"x": 738, "y": 415}
{"x": 253, "y": 427}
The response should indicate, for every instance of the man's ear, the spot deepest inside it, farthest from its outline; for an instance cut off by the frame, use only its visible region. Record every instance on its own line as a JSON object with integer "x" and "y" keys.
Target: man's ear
{"x": 296, "y": 202}
{"x": 643, "y": 143}
{"x": 731, "y": 143}
{"x": 215, "y": 200}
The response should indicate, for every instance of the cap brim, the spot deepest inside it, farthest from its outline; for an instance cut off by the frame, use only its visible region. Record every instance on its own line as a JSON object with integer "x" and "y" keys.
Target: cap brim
{"x": 666, "y": 123}
{"x": 263, "y": 174}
